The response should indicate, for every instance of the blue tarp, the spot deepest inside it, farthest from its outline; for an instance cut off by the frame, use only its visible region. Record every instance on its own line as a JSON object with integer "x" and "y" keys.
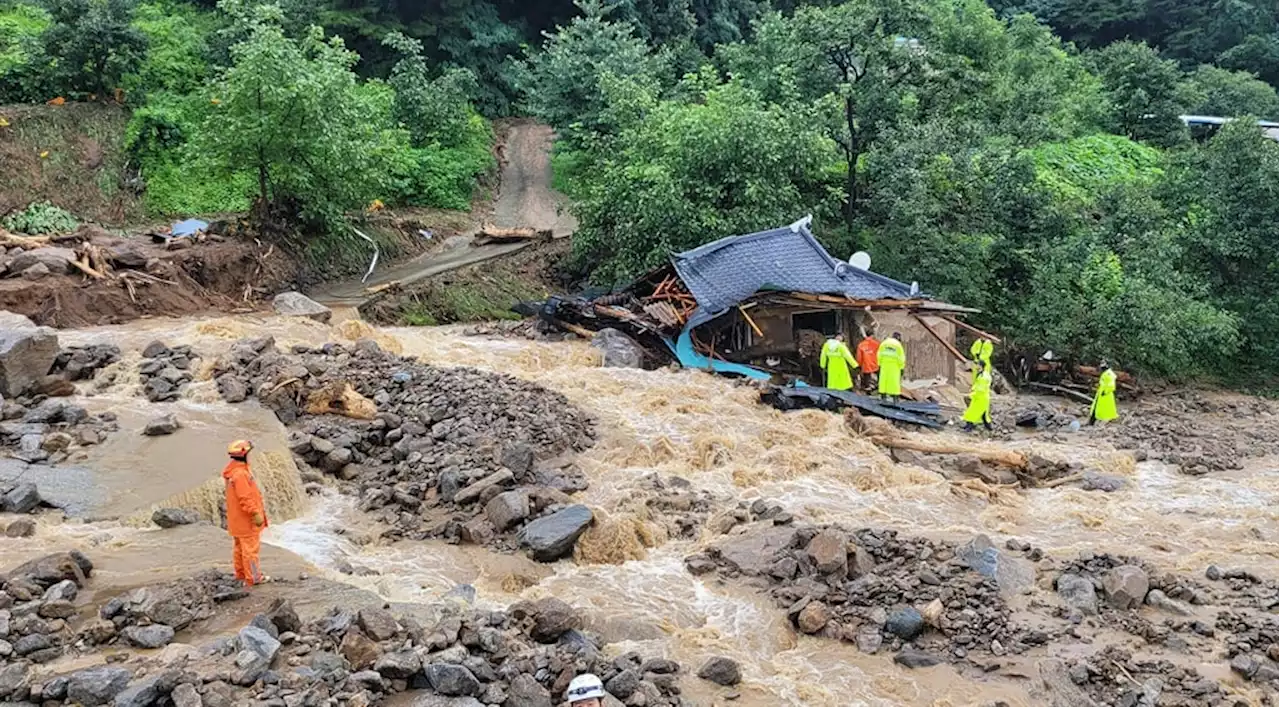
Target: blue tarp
{"x": 683, "y": 349}
{"x": 190, "y": 227}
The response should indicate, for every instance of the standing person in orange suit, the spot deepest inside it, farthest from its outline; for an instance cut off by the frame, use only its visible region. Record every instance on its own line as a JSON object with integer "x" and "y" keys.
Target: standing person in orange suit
{"x": 246, "y": 513}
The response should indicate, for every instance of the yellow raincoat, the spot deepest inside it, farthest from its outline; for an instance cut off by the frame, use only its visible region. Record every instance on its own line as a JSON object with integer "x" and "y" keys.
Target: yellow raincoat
{"x": 1104, "y": 401}
{"x": 893, "y": 358}
{"x": 980, "y": 353}
{"x": 979, "y": 410}
{"x": 838, "y": 362}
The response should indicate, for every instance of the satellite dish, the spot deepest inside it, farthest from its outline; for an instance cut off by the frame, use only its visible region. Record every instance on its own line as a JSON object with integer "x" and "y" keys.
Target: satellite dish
{"x": 860, "y": 260}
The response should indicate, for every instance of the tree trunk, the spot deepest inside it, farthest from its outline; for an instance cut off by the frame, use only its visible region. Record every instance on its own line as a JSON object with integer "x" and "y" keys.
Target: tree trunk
{"x": 851, "y": 179}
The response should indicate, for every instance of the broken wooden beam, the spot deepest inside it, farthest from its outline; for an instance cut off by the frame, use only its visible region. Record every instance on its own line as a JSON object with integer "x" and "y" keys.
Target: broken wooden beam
{"x": 947, "y": 344}
{"x": 489, "y": 234}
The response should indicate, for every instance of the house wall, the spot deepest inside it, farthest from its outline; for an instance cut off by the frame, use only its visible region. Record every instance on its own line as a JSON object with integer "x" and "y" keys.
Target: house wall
{"x": 926, "y": 357}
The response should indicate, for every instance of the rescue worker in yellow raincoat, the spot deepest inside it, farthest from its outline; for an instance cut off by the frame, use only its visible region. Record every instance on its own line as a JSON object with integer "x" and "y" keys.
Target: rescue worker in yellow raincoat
{"x": 838, "y": 362}
{"x": 1104, "y": 401}
{"x": 979, "y": 410}
{"x": 892, "y": 358}
{"x": 980, "y": 354}
{"x": 246, "y": 514}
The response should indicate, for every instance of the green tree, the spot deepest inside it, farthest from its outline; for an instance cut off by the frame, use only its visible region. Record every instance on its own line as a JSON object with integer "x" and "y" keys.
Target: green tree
{"x": 1227, "y": 194}
{"x": 854, "y": 64}
{"x": 690, "y": 172}
{"x": 22, "y": 58}
{"x": 435, "y": 110}
{"x": 1143, "y": 92}
{"x": 292, "y": 113}
{"x": 1210, "y": 90}
{"x": 93, "y": 44}
{"x": 562, "y": 82}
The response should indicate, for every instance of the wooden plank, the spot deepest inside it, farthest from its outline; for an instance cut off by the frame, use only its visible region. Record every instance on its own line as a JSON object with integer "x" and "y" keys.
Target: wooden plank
{"x": 950, "y": 347}
{"x": 1074, "y": 394}
{"x": 973, "y": 329}
{"x": 750, "y": 321}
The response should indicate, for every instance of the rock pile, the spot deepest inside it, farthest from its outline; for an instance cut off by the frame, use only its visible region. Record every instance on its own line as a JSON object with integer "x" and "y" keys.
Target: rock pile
{"x": 39, "y": 429}
{"x": 434, "y": 452}
{"x": 935, "y": 600}
{"x": 38, "y": 599}
{"x": 461, "y": 656}
{"x": 82, "y": 362}
{"x": 165, "y": 372}
{"x": 1114, "y": 677}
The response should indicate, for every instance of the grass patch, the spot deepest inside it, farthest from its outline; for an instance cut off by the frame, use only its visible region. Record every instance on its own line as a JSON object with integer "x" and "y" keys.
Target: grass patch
{"x": 485, "y": 299}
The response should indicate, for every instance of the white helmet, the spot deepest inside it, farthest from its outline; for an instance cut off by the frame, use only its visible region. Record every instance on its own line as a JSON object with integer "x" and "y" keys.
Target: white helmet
{"x": 584, "y": 687}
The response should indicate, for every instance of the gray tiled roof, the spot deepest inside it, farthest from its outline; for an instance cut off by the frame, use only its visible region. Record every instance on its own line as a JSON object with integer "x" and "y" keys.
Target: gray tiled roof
{"x": 725, "y": 272}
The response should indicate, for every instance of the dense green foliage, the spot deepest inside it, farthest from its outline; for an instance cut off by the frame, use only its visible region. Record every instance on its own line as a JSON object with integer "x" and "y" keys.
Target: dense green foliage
{"x": 1026, "y": 157}
{"x": 40, "y": 217}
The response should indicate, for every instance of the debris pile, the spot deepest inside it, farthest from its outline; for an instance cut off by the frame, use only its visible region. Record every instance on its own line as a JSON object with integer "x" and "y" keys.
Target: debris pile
{"x": 932, "y": 601}
{"x": 433, "y": 452}
{"x": 1114, "y": 676}
{"x": 165, "y": 372}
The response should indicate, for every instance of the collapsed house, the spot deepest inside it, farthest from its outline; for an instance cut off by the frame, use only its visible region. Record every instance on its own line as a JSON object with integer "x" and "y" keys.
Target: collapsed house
{"x": 762, "y": 305}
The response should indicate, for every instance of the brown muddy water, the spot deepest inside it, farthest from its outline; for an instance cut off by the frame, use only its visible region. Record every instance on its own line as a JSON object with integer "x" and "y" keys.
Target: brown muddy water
{"x": 684, "y": 423}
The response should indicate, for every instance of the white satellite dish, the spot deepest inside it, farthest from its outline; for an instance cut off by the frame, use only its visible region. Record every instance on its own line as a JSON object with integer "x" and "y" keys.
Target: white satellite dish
{"x": 860, "y": 260}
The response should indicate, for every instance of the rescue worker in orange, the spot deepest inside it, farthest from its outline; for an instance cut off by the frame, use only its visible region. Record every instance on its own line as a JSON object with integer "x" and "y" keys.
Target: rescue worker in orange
{"x": 246, "y": 513}
{"x": 868, "y": 365}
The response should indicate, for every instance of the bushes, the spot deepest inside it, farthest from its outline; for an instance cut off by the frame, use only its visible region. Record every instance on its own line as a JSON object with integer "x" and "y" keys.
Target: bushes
{"x": 39, "y": 218}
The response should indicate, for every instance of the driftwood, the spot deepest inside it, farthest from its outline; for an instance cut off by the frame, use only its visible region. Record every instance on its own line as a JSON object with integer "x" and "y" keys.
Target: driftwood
{"x": 9, "y": 240}
{"x": 1005, "y": 457}
{"x": 489, "y": 233}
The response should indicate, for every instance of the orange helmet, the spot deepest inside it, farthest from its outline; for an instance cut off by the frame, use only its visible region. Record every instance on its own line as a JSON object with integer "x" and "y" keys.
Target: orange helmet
{"x": 239, "y": 448}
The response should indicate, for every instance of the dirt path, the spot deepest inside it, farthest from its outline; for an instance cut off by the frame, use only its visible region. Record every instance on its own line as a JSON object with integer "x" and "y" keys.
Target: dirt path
{"x": 525, "y": 198}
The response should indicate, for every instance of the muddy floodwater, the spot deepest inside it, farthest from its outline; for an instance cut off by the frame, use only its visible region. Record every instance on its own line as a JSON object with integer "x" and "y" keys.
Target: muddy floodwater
{"x": 707, "y": 430}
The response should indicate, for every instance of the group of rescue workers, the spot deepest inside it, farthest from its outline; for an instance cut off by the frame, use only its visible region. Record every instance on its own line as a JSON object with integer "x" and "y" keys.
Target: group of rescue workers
{"x": 881, "y": 363}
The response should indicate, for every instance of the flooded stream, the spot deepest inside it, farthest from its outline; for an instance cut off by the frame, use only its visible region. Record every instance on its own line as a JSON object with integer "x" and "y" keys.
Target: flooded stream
{"x": 707, "y": 430}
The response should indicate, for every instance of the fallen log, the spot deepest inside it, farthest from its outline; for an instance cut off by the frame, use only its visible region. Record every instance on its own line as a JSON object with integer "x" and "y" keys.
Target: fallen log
{"x": 9, "y": 240}
{"x": 1005, "y": 457}
{"x": 493, "y": 234}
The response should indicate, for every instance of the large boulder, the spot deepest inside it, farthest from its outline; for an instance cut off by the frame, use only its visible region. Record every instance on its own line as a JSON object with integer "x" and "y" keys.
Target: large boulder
{"x": 617, "y": 350}
{"x": 148, "y": 691}
{"x": 552, "y": 618}
{"x": 26, "y": 355}
{"x": 57, "y": 260}
{"x": 553, "y": 536}
{"x": 97, "y": 686}
{"x": 51, "y": 569}
{"x": 296, "y": 304}
{"x": 452, "y": 680}
{"x": 525, "y": 691}
{"x": 1013, "y": 575}
{"x": 173, "y": 517}
{"x": 23, "y": 498}
{"x": 721, "y": 671}
{"x": 829, "y": 552}
{"x": 1078, "y": 594}
{"x": 1125, "y": 586}
{"x": 753, "y": 552}
{"x": 507, "y": 509}
{"x": 152, "y": 636}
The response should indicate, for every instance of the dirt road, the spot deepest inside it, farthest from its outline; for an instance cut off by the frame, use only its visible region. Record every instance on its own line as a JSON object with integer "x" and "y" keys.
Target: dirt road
{"x": 525, "y": 198}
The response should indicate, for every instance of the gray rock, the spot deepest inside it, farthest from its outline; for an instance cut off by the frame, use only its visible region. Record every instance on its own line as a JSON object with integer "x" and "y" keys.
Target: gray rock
{"x": 148, "y": 691}
{"x": 1078, "y": 593}
{"x": 623, "y": 684}
{"x": 57, "y": 260}
{"x": 869, "y": 639}
{"x": 905, "y": 623}
{"x": 472, "y": 493}
{"x": 1160, "y": 600}
{"x": 163, "y": 425}
{"x": 1246, "y": 665}
{"x": 152, "y": 636}
{"x": 128, "y": 255}
{"x": 57, "y": 609}
{"x": 448, "y": 486}
{"x": 284, "y": 617}
{"x": 617, "y": 349}
{"x": 553, "y": 536}
{"x": 452, "y": 680}
{"x": 718, "y": 669}
{"x": 259, "y": 642}
{"x": 913, "y": 658}
{"x": 97, "y": 686}
{"x": 1012, "y": 575}
{"x": 377, "y": 624}
{"x": 249, "y": 667}
{"x": 525, "y": 691}
{"x": 1213, "y": 572}
{"x": 398, "y": 665}
{"x": 296, "y": 304}
{"x": 39, "y": 271}
{"x": 753, "y": 552}
{"x": 173, "y": 517}
{"x": 21, "y": 528}
{"x": 65, "y": 590}
{"x": 1125, "y": 586}
{"x": 55, "y": 689}
{"x": 507, "y": 509}
{"x": 26, "y": 355}
{"x": 32, "y": 643}
{"x": 23, "y": 498}
{"x": 1061, "y": 690}
{"x": 419, "y": 698}
{"x": 829, "y": 552}
{"x": 552, "y": 618}
{"x": 518, "y": 458}
{"x": 14, "y": 681}
{"x": 185, "y": 695}
{"x": 232, "y": 389}
{"x": 1094, "y": 481}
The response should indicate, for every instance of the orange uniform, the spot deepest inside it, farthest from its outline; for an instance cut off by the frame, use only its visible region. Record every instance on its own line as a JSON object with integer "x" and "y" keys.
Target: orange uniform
{"x": 866, "y": 355}
{"x": 246, "y": 517}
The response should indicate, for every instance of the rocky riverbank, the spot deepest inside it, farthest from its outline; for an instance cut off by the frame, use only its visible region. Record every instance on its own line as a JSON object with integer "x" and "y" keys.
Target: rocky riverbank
{"x": 451, "y": 654}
